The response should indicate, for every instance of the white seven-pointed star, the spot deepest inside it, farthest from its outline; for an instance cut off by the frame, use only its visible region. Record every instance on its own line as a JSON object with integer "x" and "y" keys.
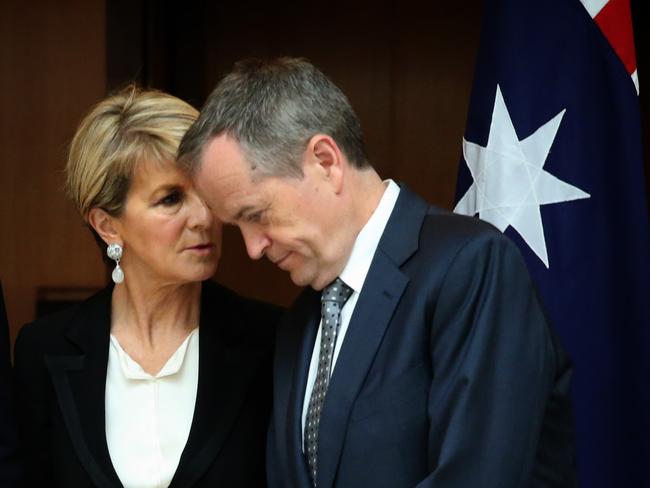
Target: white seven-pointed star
{"x": 510, "y": 183}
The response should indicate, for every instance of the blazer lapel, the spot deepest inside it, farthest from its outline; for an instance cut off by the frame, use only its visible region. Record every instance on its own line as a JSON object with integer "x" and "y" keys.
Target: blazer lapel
{"x": 381, "y": 293}
{"x": 79, "y": 382}
{"x": 225, "y": 375}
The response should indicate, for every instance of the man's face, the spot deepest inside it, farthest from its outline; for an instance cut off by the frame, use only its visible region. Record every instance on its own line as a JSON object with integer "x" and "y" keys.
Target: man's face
{"x": 291, "y": 221}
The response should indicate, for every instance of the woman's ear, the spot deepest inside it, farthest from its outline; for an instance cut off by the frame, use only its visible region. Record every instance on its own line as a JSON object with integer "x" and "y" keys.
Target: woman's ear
{"x": 104, "y": 225}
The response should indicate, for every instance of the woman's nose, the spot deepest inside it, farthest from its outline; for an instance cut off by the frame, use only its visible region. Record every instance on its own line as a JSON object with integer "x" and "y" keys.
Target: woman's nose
{"x": 200, "y": 214}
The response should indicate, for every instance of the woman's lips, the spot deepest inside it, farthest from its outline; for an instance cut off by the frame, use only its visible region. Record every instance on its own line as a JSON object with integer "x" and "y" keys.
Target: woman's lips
{"x": 201, "y": 248}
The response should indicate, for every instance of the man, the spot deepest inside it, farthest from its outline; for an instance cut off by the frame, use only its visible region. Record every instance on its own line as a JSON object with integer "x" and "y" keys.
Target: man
{"x": 418, "y": 354}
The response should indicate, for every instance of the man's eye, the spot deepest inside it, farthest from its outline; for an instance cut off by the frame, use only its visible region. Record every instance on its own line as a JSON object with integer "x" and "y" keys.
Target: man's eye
{"x": 172, "y": 199}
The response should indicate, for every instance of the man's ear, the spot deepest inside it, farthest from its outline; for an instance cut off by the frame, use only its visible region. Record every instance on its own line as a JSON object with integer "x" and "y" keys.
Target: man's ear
{"x": 104, "y": 225}
{"x": 328, "y": 159}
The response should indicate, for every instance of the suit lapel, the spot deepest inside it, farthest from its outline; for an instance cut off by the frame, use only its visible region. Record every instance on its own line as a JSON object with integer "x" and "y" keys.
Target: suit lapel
{"x": 79, "y": 382}
{"x": 225, "y": 376}
{"x": 294, "y": 345}
{"x": 381, "y": 293}
{"x": 305, "y": 346}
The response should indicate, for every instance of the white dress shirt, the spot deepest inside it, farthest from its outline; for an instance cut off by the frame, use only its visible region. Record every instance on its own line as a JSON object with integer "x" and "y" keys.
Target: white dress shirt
{"x": 354, "y": 275}
{"x": 148, "y": 418}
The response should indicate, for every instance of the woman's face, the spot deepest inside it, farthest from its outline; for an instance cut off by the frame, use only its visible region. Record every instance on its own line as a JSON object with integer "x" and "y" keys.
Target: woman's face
{"x": 169, "y": 235}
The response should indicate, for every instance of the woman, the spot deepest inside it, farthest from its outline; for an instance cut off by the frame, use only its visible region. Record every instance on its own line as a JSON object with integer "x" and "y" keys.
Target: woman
{"x": 162, "y": 379}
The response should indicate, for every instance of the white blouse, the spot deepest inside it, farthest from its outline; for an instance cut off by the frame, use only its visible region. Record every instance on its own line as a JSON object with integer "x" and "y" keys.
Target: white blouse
{"x": 148, "y": 418}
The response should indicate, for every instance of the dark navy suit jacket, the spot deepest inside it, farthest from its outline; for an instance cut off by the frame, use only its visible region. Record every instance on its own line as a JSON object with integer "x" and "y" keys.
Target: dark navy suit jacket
{"x": 449, "y": 374}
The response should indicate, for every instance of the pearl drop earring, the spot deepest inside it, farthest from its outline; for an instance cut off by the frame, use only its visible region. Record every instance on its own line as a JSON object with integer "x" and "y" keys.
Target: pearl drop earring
{"x": 114, "y": 251}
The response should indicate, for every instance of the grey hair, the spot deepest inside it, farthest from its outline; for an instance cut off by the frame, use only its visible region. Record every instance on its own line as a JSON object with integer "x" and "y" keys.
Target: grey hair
{"x": 272, "y": 109}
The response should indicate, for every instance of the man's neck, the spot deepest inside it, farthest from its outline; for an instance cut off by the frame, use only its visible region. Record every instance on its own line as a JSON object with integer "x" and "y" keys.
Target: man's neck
{"x": 368, "y": 189}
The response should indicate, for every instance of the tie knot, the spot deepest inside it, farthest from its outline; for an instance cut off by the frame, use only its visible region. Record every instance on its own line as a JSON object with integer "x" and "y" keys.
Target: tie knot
{"x": 337, "y": 291}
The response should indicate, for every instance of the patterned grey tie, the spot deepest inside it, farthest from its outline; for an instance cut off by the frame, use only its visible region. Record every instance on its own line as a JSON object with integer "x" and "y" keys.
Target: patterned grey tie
{"x": 333, "y": 298}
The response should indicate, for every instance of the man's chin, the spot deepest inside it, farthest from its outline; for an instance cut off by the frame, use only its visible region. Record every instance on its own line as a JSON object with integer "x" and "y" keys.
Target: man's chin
{"x": 299, "y": 279}
{"x": 302, "y": 277}
{"x": 316, "y": 282}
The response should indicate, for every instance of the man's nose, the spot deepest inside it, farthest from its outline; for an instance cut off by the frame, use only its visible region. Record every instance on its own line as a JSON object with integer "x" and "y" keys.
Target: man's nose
{"x": 256, "y": 241}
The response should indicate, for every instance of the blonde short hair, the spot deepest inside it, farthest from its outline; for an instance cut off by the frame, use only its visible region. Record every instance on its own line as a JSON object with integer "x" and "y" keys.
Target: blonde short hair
{"x": 120, "y": 132}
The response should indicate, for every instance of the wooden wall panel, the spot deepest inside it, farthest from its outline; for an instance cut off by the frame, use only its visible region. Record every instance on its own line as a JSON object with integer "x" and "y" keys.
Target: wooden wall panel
{"x": 435, "y": 56}
{"x": 52, "y": 65}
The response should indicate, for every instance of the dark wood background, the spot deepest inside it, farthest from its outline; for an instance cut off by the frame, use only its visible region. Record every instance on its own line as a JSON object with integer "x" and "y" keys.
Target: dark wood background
{"x": 407, "y": 67}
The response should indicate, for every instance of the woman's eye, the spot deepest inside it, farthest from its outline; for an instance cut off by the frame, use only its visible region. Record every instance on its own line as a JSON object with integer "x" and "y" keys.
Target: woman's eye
{"x": 171, "y": 199}
{"x": 255, "y": 217}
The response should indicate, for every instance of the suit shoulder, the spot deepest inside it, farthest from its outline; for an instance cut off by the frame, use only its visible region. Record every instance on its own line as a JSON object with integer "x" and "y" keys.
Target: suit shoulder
{"x": 449, "y": 223}
{"x": 241, "y": 319}
{"x": 48, "y": 331}
{"x": 214, "y": 293}
{"x": 447, "y": 241}
{"x": 444, "y": 229}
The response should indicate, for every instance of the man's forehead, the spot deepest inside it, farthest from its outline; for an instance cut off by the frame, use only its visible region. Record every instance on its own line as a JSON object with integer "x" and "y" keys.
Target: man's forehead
{"x": 233, "y": 200}
{"x": 229, "y": 195}
{"x": 224, "y": 158}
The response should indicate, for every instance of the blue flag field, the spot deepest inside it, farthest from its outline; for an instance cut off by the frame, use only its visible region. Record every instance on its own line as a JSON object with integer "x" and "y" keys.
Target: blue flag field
{"x": 552, "y": 156}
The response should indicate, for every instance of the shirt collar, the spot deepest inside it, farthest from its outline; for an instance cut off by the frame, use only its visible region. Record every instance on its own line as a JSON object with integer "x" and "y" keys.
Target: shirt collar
{"x": 356, "y": 269}
{"x": 132, "y": 369}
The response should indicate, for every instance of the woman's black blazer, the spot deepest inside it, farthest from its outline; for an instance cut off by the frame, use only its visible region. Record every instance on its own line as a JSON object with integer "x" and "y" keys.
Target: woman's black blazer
{"x": 60, "y": 373}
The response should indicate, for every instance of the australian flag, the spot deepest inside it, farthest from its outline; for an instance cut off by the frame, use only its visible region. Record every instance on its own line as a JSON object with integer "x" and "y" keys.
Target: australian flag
{"x": 552, "y": 156}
